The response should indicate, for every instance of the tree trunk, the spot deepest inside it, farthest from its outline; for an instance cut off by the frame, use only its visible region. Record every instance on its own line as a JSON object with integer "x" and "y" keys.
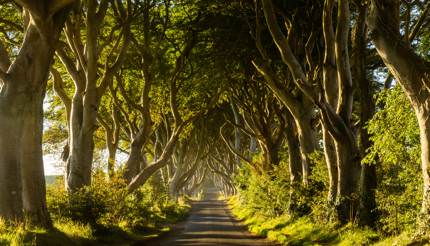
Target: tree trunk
{"x": 307, "y": 142}
{"x": 80, "y": 160}
{"x": 165, "y": 156}
{"x": 134, "y": 160}
{"x": 173, "y": 185}
{"x": 252, "y": 146}
{"x": 347, "y": 199}
{"x": 90, "y": 82}
{"x": 331, "y": 161}
{"x": 423, "y": 115}
{"x": 294, "y": 156}
{"x": 33, "y": 176}
{"x": 10, "y": 169}
{"x": 331, "y": 91}
{"x": 294, "y": 161}
{"x": 111, "y": 159}
{"x": 22, "y": 179}
{"x": 270, "y": 153}
{"x": 367, "y": 213}
{"x": 237, "y": 133}
{"x": 412, "y": 73}
{"x": 83, "y": 124}
{"x": 112, "y": 140}
{"x": 337, "y": 121}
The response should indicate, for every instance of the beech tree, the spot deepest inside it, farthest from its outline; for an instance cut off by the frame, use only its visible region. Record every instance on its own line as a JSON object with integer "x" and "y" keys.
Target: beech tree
{"x": 412, "y": 73}
{"x": 262, "y": 119}
{"x": 90, "y": 85}
{"x": 335, "y": 104}
{"x": 23, "y": 83}
{"x": 307, "y": 112}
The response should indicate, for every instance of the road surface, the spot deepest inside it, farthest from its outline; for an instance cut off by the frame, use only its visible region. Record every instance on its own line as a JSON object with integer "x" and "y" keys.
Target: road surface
{"x": 210, "y": 223}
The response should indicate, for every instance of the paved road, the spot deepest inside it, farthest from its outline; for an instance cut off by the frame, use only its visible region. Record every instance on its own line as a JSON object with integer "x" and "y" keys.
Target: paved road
{"x": 210, "y": 223}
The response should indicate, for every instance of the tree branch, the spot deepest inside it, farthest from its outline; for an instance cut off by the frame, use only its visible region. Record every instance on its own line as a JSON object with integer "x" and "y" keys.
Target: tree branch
{"x": 231, "y": 148}
{"x": 419, "y": 24}
{"x": 4, "y": 58}
{"x": 58, "y": 5}
{"x": 36, "y": 8}
{"x": 147, "y": 172}
{"x": 73, "y": 72}
{"x": 60, "y": 91}
{"x": 286, "y": 54}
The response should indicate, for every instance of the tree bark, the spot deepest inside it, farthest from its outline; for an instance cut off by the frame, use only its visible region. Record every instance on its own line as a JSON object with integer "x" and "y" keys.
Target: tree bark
{"x": 134, "y": 161}
{"x": 423, "y": 115}
{"x": 412, "y": 73}
{"x": 83, "y": 124}
{"x": 331, "y": 162}
{"x": 307, "y": 141}
{"x": 90, "y": 86}
{"x": 294, "y": 162}
{"x": 338, "y": 122}
{"x": 21, "y": 116}
{"x": 301, "y": 109}
{"x": 367, "y": 214}
{"x": 147, "y": 172}
{"x": 11, "y": 207}
{"x": 347, "y": 199}
{"x": 112, "y": 138}
{"x": 331, "y": 90}
{"x": 237, "y": 133}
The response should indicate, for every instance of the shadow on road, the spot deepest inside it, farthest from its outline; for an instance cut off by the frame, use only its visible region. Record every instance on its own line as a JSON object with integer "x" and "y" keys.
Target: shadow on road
{"x": 210, "y": 223}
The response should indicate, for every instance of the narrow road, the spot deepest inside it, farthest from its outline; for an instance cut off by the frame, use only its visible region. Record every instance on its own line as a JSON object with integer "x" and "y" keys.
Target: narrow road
{"x": 210, "y": 223}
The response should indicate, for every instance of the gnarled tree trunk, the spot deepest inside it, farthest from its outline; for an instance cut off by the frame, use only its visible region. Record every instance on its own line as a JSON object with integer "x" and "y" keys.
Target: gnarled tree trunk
{"x": 367, "y": 213}
{"x": 90, "y": 84}
{"x": 294, "y": 162}
{"x": 22, "y": 179}
{"x": 83, "y": 124}
{"x": 337, "y": 121}
{"x": 412, "y": 73}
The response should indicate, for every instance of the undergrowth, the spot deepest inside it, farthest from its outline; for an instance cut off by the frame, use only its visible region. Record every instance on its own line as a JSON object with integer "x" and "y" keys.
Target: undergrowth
{"x": 264, "y": 204}
{"x": 100, "y": 214}
{"x": 306, "y": 231}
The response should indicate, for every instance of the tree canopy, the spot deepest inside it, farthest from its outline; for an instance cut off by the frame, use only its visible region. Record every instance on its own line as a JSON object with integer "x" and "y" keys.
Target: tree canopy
{"x": 306, "y": 109}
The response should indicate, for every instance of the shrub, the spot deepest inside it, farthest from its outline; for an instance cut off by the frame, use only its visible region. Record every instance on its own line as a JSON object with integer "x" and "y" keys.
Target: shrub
{"x": 102, "y": 202}
{"x": 269, "y": 194}
{"x": 396, "y": 152}
{"x": 106, "y": 204}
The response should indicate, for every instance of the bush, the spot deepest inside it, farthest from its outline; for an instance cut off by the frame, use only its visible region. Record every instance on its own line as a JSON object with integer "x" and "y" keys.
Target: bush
{"x": 269, "y": 194}
{"x": 263, "y": 199}
{"x": 107, "y": 204}
{"x": 396, "y": 152}
{"x": 103, "y": 202}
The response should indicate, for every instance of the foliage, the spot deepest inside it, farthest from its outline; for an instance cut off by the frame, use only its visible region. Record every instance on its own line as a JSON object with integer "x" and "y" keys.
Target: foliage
{"x": 270, "y": 193}
{"x": 101, "y": 203}
{"x": 300, "y": 231}
{"x": 105, "y": 209}
{"x": 66, "y": 232}
{"x": 263, "y": 200}
{"x": 222, "y": 48}
{"x": 106, "y": 203}
{"x": 396, "y": 152}
{"x": 263, "y": 192}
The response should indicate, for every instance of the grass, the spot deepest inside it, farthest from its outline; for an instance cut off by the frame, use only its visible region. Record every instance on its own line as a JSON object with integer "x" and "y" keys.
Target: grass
{"x": 59, "y": 235}
{"x": 304, "y": 231}
{"x": 69, "y": 233}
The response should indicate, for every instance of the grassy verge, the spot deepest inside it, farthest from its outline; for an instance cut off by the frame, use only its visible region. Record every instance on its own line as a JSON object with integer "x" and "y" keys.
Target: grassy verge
{"x": 304, "y": 231}
{"x": 69, "y": 233}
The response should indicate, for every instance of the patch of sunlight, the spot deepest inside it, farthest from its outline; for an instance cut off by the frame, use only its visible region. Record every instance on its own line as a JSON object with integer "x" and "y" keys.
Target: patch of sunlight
{"x": 74, "y": 229}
